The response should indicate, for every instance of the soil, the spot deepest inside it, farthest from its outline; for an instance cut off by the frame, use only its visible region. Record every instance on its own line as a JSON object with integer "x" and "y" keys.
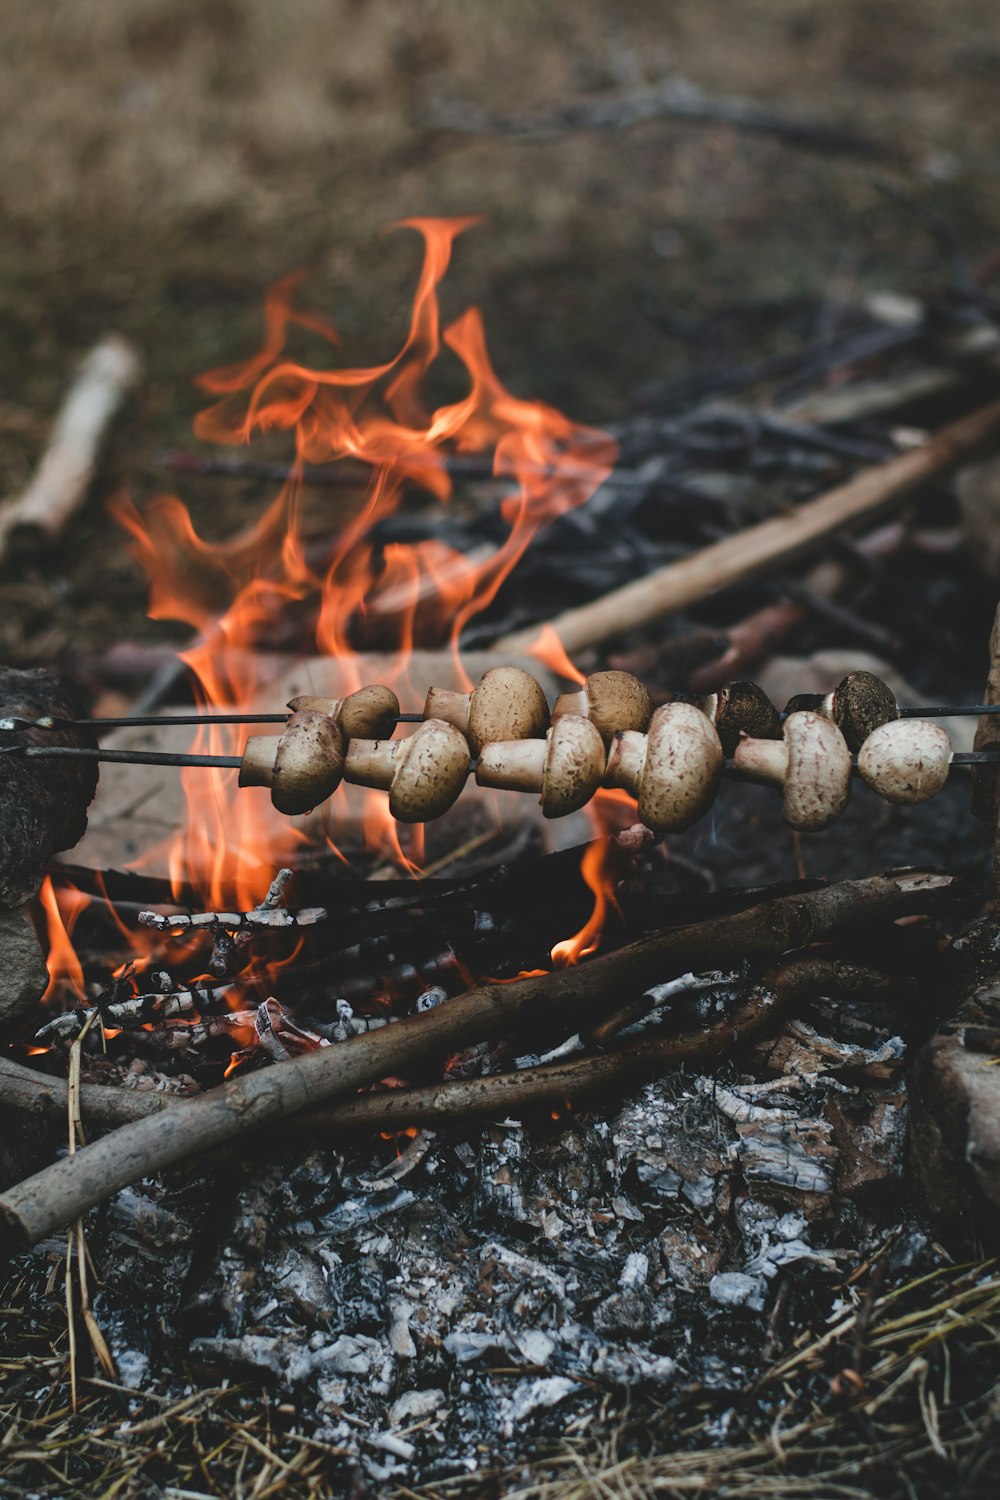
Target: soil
{"x": 162, "y": 163}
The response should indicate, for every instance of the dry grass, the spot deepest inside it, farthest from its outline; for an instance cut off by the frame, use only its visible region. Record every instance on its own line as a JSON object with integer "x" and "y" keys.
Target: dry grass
{"x": 922, "y": 1418}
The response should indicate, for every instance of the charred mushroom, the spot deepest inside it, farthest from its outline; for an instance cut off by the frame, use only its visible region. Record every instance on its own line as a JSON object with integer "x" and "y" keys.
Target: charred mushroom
{"x": 302, "y": 767}
{"x": 612, "y": 701}
{"x": 508, "y": 704}
{"x": 673, "y": 771}
{"x": 906, "y": 761}
{"x": 858, "y": 705}
{"x": 738, "y": 709}
{"x": 566, "y": 767}
{"x": 811, "y": 762}
{"x": 423, "y": 774}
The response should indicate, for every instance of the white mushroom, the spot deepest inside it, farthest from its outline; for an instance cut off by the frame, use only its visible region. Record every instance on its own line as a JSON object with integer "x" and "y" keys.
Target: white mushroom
{"x": 302, "y": 767}
{"x": 370, "y": 713}
{"x": 906, "y": 761}
{"x": 566, "y": 767}
{"x": 508, "y": 704}
{"x": 673, "y": 771}
{"x": 811, "y": 762}
{"x": 612, "y": 701}
{"x": 423, "y": 773}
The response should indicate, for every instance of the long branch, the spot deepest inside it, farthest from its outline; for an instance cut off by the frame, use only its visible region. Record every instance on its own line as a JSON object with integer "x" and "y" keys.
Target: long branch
{"x": 755, "y": 550}
{"x": 494, "y": 1094}
{"x": 567, "y": 998}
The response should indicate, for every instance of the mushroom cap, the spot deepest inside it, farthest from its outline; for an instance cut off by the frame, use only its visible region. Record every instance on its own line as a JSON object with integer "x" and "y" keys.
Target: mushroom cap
{"x": 308, "y": 763}
{"x": 508, "y": 704}
{"x": 617, "y": 701}
{"x": 683, "y": 766}
{"x": 431, "y": 770}
{"x": 818, "y": 778}
{"x": 368, "y": 714}
{"x": 574, "y": 765}
{"x": 906, "y": 761}
{"x": 743, "y": 708}
{"x": 861, "y": 703}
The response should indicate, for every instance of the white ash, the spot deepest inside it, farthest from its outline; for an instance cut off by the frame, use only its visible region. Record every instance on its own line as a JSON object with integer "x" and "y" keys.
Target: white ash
{"x": 518, "y": 1281}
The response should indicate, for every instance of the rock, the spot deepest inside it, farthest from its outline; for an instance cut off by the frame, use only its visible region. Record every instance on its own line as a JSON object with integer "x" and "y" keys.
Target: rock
{"x": 43, "y": 803}
{"x": 22, "y": 964}
{"x": 955, "y": 1156}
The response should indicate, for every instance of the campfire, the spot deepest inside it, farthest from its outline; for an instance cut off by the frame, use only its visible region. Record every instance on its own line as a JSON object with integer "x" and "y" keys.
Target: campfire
{"x": 494, "y": 996}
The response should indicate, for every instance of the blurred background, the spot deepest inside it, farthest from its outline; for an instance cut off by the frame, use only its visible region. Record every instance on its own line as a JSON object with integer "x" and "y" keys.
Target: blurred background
{"x": 664, "y": 187}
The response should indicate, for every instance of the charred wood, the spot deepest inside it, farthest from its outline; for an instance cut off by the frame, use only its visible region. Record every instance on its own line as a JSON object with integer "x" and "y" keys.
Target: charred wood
{"x": 544, "y": 1005}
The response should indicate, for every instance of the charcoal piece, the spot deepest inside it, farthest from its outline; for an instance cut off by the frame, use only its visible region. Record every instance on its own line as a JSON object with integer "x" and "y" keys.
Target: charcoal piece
{"x": 43, "y": 803}
{"x": 362, "y": 1297}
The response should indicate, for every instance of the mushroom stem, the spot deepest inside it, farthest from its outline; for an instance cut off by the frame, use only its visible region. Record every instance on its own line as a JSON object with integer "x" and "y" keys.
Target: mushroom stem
{"x": 449, "y": 705}
{"x": 371, "y": 763}
{"x": 765, "y": 760}
{"x": 626, "y": 759}
{"x": 512, "y": 765}
{"x": 571, "y": 703}
{"x": 257, "y": 766}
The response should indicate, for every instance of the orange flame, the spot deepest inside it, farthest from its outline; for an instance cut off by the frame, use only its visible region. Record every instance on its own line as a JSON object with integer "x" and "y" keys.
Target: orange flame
{"x": 596, "y": 871}
{"x": 377, "y": 416}
{"x": 62, "y": 909}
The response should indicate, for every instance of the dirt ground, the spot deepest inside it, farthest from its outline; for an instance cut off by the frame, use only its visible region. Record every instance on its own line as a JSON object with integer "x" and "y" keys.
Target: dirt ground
{"x": 162, "y": 162}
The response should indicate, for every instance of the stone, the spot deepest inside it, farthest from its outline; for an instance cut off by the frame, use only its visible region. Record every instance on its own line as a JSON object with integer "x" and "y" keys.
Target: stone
{"x": 22, "y": 964}
{"x": 43, "y": 803}
{"x": 955, "y": 1154}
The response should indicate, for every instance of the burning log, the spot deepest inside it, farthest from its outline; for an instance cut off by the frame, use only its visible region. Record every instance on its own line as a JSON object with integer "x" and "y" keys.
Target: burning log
{"x": 498, "y": 1094}
{"x": 567, "y": 997}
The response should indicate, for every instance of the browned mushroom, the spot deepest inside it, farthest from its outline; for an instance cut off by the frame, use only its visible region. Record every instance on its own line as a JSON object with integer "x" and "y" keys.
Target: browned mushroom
{"x": 508, "y": 704}
{"x": 611, "y": 701}
{"x": 811, "y": 762}
{"x": 566, "y": 767}
{"x": 738, "y": 709}
{"x": 423, "y": 773}
{"x": 370, "y": 713}
{"x": 302, "y": 767}
{"x": 673, "y": 770}
{"x": 859, "y": 704}
{"x": 906, "y": 761}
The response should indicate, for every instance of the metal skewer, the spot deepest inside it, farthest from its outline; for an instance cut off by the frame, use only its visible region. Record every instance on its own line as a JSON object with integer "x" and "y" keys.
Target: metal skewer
{"x": 234, "y": 762}
{"x": 13, "y": 725}
{"x": 156, "y": 721}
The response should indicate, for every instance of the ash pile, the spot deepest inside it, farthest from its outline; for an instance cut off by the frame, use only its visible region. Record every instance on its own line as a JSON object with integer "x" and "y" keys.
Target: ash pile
{"x": 468, "y": 1304}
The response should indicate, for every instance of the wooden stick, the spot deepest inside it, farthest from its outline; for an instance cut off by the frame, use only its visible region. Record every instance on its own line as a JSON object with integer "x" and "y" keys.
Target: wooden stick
{"x": 60, "y": 484}
{"x": 778, "y": 540}
{"x": 497, "y": 1094}
{"x": 539, "y": 1005}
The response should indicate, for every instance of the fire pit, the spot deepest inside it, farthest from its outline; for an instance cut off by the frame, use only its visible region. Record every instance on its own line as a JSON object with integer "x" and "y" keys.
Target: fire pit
{"x": 504, "y": 1015}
